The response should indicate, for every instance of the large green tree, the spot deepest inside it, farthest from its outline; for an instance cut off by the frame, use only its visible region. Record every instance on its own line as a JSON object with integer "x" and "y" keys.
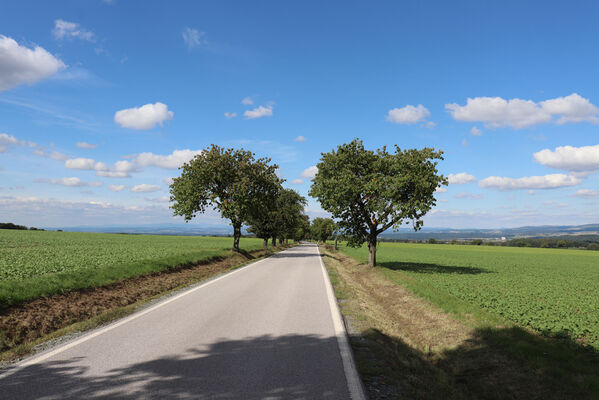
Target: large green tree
{"x": 368, "y": 192}
{"x": 228, "y": 180}
{"x": 322, "y": 229}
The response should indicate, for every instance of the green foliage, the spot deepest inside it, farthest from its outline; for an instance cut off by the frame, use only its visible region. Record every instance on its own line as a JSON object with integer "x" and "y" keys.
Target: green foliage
{"x": 368, "y": 192}
{"x": 10, "y": 225}
{"x": 34, "y": 263}
{"x": 230, "y": 180}
{"x": 322, "y": 229}
{"x": 555, "y": 292}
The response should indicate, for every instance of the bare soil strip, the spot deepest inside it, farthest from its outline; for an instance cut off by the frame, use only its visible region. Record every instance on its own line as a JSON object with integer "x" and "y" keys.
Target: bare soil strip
{"x": 407, "y": 348}
{"x": 27, "y": 323}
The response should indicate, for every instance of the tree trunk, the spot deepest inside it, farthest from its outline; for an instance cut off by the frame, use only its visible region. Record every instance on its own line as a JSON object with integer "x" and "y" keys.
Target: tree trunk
{"x": 336, "y": 248}
{"x": 372, "y": 252}
{"x": 286, "y": 241}
{"x": 236, "y": 236}
{"x": 280, "y": 241}
{"x": 265, "y": 245}
{"x": 274, "y": 241}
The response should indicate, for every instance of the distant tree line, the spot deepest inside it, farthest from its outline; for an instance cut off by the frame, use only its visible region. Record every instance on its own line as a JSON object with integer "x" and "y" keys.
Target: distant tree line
{"x": 10, "y": 225}
{"x": 585, "y": 242}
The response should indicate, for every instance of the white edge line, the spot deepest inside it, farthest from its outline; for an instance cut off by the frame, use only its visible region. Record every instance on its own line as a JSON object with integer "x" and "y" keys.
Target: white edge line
{"x": 45, "y": 355}
{"x": 354, "y": 384}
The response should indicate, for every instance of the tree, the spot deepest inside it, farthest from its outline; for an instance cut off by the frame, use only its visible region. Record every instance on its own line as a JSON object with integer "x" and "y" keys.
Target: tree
{"x": 229, "y": 180}
{"x": 302, "y": 232}
{"x": 288, "y": 215}
{"x": 322, "y": 229}
{"x": 368, "y": 192}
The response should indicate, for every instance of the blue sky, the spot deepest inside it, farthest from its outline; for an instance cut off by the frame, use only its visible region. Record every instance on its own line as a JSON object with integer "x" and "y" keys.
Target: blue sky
{"x": 101, "y": 101}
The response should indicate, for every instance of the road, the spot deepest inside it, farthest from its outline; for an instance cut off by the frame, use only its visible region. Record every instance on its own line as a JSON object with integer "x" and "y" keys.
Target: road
{"x": 265, "y": 331}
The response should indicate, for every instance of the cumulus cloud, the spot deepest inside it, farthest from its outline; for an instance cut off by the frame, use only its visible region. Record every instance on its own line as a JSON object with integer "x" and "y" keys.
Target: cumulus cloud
{"x": 587, "y": 193}
{"x": 72, "y": 182}
{"x": 475, "y": 131}
{"x": 460, "y": 179}
{"x": 19, "y": 64}
{"x": 145, "y": 188}
{"x": 247, "y": 101}
{"x": 83, "y": 163}
{"x": 229, "y": 115}
{"x": 71, "y": 30}
{"x": 193, "y": 38}
{"x": 120, "y": 169}
{"x": 85, "y": 145}
{"x": 569, "y": 158}
{"x": 300, "y": 139}
{"x": 441, "y": 189}
{"x": 144, "y": 117}
{"x": 310, "y": 172}
{"x": 174, "y": 160}
{"x": 116, "y": 188}
{"x": 258, "y": 112}
{"x": 497, "y": 112}
{"x": 7, "y": 140}
{"x": 161, "y": 199}
{"x": 297, "y": 181}
{"x": 552, "y": 181}
{"x": 408, "y": 114}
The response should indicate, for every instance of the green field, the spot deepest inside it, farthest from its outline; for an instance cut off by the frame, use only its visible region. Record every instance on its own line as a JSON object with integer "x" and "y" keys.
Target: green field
{"x": 37, "y": 263}
{"x": 555, "y": 292}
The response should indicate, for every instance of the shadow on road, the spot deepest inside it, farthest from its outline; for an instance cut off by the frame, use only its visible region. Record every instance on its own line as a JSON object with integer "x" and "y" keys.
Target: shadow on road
{"x": 230, "y": 369}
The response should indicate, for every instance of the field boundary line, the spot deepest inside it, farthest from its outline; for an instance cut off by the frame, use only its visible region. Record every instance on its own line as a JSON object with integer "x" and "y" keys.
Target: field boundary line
{"x": 354, "y": 383}
{"x": 47, "y": 354}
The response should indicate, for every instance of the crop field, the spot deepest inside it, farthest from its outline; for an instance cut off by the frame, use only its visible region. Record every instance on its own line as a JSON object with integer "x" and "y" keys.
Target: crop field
{"x": 555, "y": 292}
{"x": 36, "y": 263}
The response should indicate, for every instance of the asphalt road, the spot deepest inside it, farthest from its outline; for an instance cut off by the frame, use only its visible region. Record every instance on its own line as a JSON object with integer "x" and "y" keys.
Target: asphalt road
{"x": 266, "y": 331}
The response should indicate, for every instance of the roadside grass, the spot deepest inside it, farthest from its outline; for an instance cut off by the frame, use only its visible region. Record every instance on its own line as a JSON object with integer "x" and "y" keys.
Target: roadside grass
{"x": 12, "y": 349}
{"x": 38, "y": 264}
{"x": 412, "y": 340}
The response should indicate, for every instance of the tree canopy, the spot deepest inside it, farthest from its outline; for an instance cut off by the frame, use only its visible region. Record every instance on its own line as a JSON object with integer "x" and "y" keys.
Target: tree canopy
{"x": 229, "y": 180}
{"x": 368, "y": 192}
{"x": 322, "y": 228}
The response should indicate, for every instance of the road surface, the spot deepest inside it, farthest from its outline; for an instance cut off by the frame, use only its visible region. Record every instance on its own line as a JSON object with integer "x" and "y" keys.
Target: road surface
{"x": 267, "y": 331}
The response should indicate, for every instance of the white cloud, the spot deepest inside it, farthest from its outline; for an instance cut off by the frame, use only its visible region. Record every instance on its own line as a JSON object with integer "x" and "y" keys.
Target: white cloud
{"x": 168, "y": 181}
{"x": 572, "y": 108}
{"x": 19, "y": 64}
{"x": 467, "y": 195}
{"x": 55, "y": 155}
{"x": 310, "y": 172}
{"x": 297, "y": 181}
{"x": 460, "y": 179}
{"x": 71, "y": 30}
{"x": 85, "y": 145}
{"x": 247, "y": 101}
{"x": 174, "y": 160}
{"x": 72, "y": 182}
{"x": 258, "y": 112}
{"x": 587, "y": 193}
{"x": 82, "y": 163}
{"x": 408, "y": 114}
{"x": 569, "y": 158}
{"x": 300, "y": 139}
{"x": 113, "y": 174}
{"x": 144, "y": 117}
{"x": 475, "y": 131}
{"x": 116, "y": 188}
{"x": 429, "y": 124}
{"x": 145, "y": 188}
{"x": 193, "y": 38}
{"x": 552, "y": 181}
{"x": 6, "y": 141}
{"x": 229, "y": 115}
{"x": 497, "y": 112}
{"x": 441, "y": 189}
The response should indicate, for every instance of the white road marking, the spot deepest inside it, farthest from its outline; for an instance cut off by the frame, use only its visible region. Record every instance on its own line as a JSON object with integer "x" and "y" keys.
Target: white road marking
{"x": 354, "y": 384}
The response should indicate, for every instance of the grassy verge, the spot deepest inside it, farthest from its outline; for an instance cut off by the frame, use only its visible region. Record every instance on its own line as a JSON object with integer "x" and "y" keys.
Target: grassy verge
{"x": 29, "y": 325}
{"x": 412, "y": 340}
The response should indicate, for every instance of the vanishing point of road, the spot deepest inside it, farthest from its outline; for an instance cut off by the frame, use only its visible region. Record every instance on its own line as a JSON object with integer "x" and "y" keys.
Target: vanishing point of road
{"x": 270, "y": 330}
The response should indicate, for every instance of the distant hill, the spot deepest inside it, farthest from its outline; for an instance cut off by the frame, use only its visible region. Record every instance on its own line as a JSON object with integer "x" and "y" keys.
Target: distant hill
{"x": 508, "y": 233}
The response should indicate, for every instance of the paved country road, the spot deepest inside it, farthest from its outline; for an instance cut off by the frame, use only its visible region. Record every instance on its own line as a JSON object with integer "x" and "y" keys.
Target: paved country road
{"x": 266, "y": 331}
